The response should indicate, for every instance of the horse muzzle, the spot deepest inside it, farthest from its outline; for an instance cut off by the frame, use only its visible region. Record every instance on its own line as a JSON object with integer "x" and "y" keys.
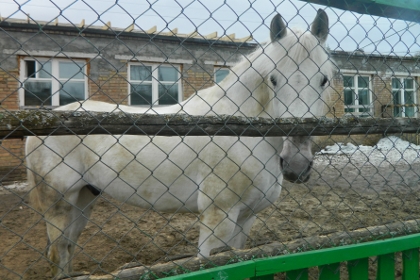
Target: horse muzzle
{"x": 296, "y": 174}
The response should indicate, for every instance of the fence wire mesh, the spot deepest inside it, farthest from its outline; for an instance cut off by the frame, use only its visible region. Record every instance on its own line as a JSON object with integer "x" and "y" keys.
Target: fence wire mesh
{"x": 115, "y": 201}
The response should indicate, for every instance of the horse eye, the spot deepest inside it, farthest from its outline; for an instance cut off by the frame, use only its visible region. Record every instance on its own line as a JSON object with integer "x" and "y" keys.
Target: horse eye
{"x": 273, "y": 81}
{"x": 324, "y": 81}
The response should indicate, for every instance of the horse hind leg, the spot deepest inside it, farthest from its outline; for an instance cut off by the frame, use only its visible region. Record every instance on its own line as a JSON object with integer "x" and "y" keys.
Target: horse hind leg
{"x": 49, "y": 203}
{"x": 80, "y": 217}
{"x": 65, "y": 220}
{"x": 58, "y": 219}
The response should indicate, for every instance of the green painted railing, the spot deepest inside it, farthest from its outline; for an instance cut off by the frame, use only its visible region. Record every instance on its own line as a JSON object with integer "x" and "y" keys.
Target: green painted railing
{"x": 328, "y": 261}
{"x": 398, "y": 9}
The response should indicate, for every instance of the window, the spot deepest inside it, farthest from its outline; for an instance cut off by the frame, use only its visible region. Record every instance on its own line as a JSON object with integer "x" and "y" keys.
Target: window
{"x": 220, "y": 74}
{"x": 154, "y": 84}
{"x": 52, "y": 82}
{"x": 357, "y": 95}
{"x": 403, "y": 95}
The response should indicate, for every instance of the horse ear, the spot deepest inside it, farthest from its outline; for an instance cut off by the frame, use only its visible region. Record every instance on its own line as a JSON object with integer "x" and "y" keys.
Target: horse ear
{"x": 320, "y": 26}
{"x": 277, "y": 28}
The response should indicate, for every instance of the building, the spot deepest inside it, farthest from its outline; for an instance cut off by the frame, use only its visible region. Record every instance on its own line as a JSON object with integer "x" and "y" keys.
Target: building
{"x": 376, "y": 85}
{"x": 48, "y": 65}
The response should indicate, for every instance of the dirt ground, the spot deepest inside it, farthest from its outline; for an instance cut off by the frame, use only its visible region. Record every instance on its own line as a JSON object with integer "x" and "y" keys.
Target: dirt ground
{"x": 341, "y": 195}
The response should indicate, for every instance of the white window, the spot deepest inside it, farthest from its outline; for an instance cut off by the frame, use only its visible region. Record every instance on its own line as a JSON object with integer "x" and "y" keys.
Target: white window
{"x": 404, "y": 97}
{"x": 220, "y": 74}
{"x": 52, "y": 82}
{"x": 357, "y": 95}
{"x": 154, "y": 84}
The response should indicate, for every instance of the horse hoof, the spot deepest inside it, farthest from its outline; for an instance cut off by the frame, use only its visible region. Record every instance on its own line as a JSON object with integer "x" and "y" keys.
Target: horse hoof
{"x": 178, "y": 257}
{"x": 130, "y": 265}
{"x": 81, "y": 275}
{"x": 215, "y": 251}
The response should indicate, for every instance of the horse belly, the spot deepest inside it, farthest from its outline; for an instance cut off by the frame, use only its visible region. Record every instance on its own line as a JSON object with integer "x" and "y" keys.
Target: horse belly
{"x": 180, "y": 196}
{"x": 157, "y": 174}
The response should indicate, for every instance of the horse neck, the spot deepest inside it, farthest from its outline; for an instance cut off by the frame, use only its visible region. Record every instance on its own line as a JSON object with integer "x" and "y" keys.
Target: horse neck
{"x": 243, "y": 93}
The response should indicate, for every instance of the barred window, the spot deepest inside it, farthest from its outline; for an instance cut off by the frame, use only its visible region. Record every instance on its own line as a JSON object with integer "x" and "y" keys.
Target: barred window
{"x": 404, "y": 97}
{"x": 157, "y": 84}
{"x": 52, "y": 82}
{"x": 357, "y": 95}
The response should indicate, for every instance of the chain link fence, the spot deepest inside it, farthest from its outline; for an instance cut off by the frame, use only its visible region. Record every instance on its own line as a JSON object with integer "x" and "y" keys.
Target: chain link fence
{"x": 149, "y": 140}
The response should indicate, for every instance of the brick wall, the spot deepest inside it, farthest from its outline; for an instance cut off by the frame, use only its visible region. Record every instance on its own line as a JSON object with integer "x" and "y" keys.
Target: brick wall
{"x": 380, "y": 96}
{"x": 11, "y": 150}
{"x": 9, "y": 85}
{"x": 12, "y": 167}
{"x": 196, "y": 79}
{"x": 335, "y": 99}
{"x": 112, "y": 88}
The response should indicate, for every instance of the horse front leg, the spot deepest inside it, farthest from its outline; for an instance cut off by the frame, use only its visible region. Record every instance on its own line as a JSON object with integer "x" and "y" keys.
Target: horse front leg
{"x": 241, "y": 232}
{"x": 216, "y": 228}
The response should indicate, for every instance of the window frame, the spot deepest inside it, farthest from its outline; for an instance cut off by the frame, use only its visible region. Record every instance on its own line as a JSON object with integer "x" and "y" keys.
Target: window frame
{"x": 402, "y": 90}
{"x": 355, "y": 90}
{"x": 55, "y": 79}
{"x": 155, "y": 82}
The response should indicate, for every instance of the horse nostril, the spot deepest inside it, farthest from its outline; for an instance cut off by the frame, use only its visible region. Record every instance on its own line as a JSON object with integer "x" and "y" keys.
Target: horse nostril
{"x": 281, "y": 162}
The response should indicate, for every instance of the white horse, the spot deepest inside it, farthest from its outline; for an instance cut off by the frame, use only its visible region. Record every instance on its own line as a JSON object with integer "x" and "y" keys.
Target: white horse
{"x": 227, "y": 180}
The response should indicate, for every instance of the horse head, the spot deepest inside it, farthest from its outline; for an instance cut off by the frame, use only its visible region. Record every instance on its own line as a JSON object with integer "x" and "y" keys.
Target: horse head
{"x": 301, "y": 77}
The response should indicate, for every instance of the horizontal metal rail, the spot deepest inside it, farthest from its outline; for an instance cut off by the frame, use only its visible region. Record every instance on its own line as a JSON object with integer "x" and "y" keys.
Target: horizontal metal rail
{"x": 17, "y": 124}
